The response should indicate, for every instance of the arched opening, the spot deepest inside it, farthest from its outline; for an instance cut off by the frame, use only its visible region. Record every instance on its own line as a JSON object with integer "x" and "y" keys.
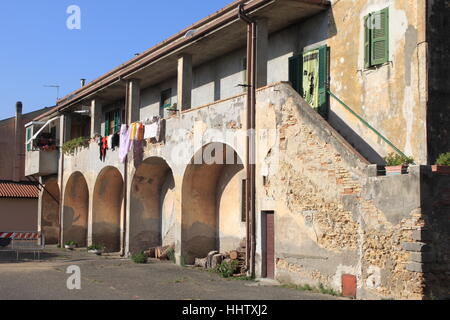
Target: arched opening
{"x": 50, "y": 211}
{"x": 107, "y": 206}
{"x": 152, "y": 206}
{"x": 211, "y": 202}
{"x": 75, "y": 211}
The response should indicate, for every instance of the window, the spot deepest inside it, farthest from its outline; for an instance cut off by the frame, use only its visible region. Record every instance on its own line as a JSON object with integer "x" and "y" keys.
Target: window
{"x": 113, "y": 120}
{"x": 29, "y": 135}
{"x": 166, "y": 102}
{"x": 308, "y": 74}
{"x": 376, "y": 38}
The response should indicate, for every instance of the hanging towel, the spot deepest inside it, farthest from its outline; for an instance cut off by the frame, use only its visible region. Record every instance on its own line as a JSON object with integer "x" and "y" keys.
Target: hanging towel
{"x": 124, "y": 142}
{"x": 104, "y": 148}
{"x": 110, "y": 142}
{"x": 100, "y": 145}
{"x": 151, "y": 131}
{"x": 140, "y": 132}
{"x": 133, "y": 134}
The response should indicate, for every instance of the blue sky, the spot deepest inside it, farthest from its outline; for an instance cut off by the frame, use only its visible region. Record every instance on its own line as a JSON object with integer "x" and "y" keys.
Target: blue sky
{"x": 38, "y": 49}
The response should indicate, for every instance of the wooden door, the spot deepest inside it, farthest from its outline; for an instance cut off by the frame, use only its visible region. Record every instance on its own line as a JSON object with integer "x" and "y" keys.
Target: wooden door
{"x": 268, "y": 235}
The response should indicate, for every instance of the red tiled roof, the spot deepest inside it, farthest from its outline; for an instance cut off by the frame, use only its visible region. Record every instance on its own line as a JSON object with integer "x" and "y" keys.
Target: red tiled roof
{"x": 18, "y": 190}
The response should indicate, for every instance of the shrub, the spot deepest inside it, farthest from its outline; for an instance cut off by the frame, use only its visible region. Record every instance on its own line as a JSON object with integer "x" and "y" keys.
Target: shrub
{"x": 95, "y": 247}
{"x": 394, "y": 159}
{"x": 70, "y": 243}
{"x": 70, "y": 146}
{"x": 140, "y": 258}
{"x": 171, "y": 255}
{"x": 226, "y": 269}
{"x": 444, "y": 159}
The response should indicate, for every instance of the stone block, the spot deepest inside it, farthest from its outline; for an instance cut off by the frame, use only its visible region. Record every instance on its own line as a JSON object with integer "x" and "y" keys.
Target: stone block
{"x": 421, "y": 257}
{"x": 422, "y": 235}
{"x": 415, "y": 246}
{"x": 417, "y": 267}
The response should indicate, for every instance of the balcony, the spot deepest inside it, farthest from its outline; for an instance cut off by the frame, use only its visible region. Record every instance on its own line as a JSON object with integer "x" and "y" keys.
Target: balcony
{"x": 41, "y": 163}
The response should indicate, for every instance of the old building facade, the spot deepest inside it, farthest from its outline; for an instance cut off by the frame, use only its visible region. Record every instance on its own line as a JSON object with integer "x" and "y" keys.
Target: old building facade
{"x": 340, "y": 85}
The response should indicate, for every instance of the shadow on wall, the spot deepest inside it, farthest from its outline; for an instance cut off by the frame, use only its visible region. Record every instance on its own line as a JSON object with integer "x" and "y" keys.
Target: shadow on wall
{"x": 73, "y": 228}
{"x": 50, "y": 212}
{"x": 147, "y": 203}
{"x": 108, "y": 198}
{"x": 204, "y": 216}
{"x": 354, "y": 139}
{"x": 75, "y": 210}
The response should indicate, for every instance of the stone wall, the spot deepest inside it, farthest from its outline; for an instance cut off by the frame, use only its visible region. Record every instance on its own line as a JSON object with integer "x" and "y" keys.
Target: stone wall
{"x": 335, "y": 215}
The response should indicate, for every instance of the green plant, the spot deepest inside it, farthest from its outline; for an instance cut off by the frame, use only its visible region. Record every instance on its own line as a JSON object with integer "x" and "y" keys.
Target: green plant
{"x": 328, "y": 291}
{"x": 95, "y": 247}
{"x": 140, "y": 258}
{"x": 226, "y": 269}
{"x": 70, "y": 146}
{"x": 394, "y": 159}
{"x": 171, "y": 255}
{"x": 70, "y": 243}
{"x": 444, "y": 159}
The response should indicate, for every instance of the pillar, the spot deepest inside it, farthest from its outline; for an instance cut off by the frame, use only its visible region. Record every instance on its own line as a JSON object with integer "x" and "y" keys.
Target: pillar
{"x": 134, "y": 102}
{"x": 184, "y": 82}
{"x": 96, "y": 117}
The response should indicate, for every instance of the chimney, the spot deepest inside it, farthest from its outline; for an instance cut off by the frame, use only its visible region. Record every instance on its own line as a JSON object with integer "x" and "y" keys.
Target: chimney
{"x": 19, "y": 147}
{"x": 83, "y": 82}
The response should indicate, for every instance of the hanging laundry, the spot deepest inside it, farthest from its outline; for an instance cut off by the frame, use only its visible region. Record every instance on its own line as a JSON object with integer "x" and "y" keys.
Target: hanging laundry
{"x": 124, "y": 142}
{"x": 115, "y": 141}
{"x": 104, "y": 148}
{"x": 134, "y": 128}
{"x": 100, "y": 145}
{"x": 110, "y": 141}
{"x": 153, "y": 128}
{"x": 140, "y": 132}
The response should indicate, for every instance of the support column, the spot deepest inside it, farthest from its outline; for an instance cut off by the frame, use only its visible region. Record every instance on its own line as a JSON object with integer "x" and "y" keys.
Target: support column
{"x": 184, "y": 82}
{"x": 96, "y": 117}
{"x": 262, "y": 44}
{"x": 134, "y": 100}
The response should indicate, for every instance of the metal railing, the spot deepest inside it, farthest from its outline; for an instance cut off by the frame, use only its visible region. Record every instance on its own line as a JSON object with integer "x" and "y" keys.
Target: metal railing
{"x": 368, "y": 125}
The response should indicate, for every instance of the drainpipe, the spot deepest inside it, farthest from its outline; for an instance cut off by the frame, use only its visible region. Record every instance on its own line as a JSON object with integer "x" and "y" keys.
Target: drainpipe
{"x": 62, "y": 136}
{"x": 125, "y": 180}
{"x": 251, "y": 143}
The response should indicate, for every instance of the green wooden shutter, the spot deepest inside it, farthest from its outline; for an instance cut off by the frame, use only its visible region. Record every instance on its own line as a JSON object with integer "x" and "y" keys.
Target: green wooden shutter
{"x": 116, "y": 121}
{"x": 367, "y": 42}
{"x": 380, "y": 37}
{"x": 323, "y": 81}
{"x": 295, "y": 73}
{"x": 107, "y": 124}
{"x": 28, "y": 138}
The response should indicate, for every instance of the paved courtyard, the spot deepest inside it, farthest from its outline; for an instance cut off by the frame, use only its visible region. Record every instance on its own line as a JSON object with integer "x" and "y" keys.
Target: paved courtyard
{"x": 111, "y": 278}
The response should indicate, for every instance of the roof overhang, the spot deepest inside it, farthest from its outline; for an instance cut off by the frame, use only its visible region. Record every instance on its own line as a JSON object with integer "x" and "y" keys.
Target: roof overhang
{"x": 214, "y": 36}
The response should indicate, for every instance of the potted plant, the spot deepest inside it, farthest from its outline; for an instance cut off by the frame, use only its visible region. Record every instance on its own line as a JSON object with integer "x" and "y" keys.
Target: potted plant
{"x": 96, "y": 248}
{"x": 397, "y": 164}
{"x": 172, "y": 110}
{"x": 70, "y": 245}
{"x": 442, "y": 165}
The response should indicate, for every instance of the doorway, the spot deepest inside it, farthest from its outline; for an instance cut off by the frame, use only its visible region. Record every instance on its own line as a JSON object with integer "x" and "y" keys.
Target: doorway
{"x": 268, "y": 244}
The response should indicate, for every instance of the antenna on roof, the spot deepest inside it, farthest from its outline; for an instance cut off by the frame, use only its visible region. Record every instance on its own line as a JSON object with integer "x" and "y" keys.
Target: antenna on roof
{"x": 57, "y": 89}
